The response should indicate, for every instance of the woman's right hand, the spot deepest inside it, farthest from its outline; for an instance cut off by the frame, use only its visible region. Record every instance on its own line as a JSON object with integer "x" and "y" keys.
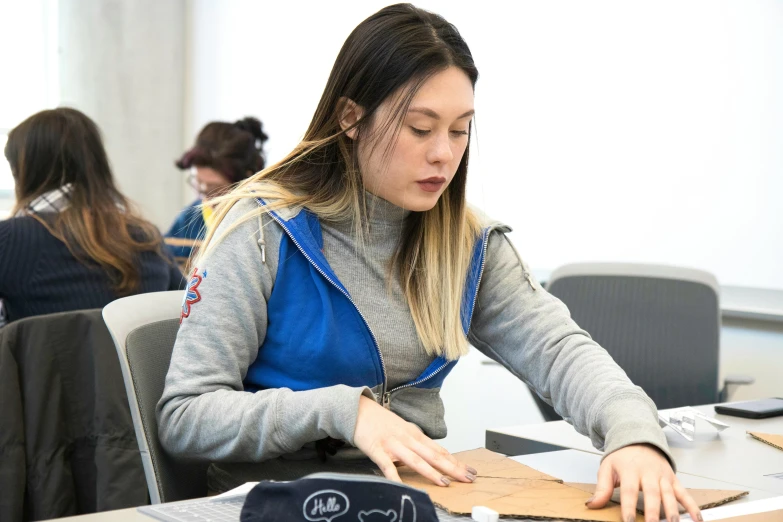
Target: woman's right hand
{"x": 387, "y": 439}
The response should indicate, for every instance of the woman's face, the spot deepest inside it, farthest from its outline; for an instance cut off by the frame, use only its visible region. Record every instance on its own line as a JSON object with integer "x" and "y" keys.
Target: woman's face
{"x": 209, "y": 182}
{"x": 434, "y": 135}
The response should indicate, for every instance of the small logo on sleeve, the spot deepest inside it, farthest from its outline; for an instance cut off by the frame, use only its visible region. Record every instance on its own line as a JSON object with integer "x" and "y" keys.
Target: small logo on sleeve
{"x": 192, "y": 295}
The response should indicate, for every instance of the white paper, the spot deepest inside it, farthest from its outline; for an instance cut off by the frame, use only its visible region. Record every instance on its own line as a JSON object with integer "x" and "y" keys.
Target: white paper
{"x": 743, "y": 508}
{"x": 718, "y": 425}
{"x": 244, "y": 489}
{"x": 683, "y": 421}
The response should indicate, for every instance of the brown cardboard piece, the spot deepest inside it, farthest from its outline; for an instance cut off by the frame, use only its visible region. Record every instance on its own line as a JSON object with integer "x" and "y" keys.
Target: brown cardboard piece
{"x": 513, "y": 489}
{"x": 705, "y": 498}
{"x": 774, "y": 440}
{"x": 497, "y": 465}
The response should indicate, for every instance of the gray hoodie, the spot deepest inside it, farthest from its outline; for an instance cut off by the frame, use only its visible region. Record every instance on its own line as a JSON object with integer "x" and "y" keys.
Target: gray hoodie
{"x": 205, "y": 413}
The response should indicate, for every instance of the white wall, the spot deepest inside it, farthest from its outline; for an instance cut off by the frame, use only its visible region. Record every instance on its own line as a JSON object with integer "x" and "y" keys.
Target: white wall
{"x": 29, "y": 81}
{"x": 608, "y": 130}
{"x": 123, "y": 64}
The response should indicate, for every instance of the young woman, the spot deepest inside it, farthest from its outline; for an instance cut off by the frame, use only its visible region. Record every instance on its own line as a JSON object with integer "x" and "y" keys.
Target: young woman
{"x": 75, "y": 241}
{"x": 339, "y": 287}
{"x": 224, "y": 154}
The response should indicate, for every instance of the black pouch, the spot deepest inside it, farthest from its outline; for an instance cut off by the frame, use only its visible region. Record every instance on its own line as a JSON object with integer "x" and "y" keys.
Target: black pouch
{"x": 337, "y": 497}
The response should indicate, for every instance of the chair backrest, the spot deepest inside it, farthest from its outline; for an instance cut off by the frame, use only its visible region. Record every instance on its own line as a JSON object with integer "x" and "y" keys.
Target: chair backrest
{"x": 660, "y": 323}
{"x": 144, "y": 328}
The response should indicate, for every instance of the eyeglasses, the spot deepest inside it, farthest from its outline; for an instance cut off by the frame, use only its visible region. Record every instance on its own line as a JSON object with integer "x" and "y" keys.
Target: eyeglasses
{"x": 204, "y": 189}
{"x": 191, "y": 180}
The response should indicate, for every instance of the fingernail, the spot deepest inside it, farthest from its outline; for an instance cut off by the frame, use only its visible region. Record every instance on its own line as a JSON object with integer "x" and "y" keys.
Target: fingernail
{"x": 675, "y": 518}
{"x": 589, "y": 500}
{"x": 471, "y": 471}
{"x": 698, "y": 516}
{"x": 631, "y": 518}
{"x": 470, "y": 477}
{"x": 445, "y": 481}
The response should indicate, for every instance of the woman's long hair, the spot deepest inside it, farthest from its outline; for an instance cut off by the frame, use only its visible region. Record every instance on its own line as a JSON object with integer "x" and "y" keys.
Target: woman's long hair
{"x": 59, "y": 147}
{"x": 387, "y": 56}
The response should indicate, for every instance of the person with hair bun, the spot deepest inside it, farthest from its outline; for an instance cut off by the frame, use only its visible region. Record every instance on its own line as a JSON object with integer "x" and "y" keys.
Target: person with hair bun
{"x": 224, "y": 154}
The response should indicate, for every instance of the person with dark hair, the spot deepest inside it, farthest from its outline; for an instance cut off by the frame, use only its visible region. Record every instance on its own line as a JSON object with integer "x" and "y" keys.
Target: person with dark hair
{"x": 337, "y": 289}
{"x": 224, "y": 154}
{"x": 74, "y": 241}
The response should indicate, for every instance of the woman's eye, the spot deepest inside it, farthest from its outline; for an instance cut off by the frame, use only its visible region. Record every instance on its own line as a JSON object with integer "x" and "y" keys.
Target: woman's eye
{"x": 459, "y": 132}
{"x": 419, "y": 132}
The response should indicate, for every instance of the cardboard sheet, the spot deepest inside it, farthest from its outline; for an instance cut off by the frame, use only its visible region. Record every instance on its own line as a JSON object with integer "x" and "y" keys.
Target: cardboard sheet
{"x": 496, "y": 465}
{"x": 513, "y": 489}
{"x": 705, "y": 498}
{"x": 774, "y": 440}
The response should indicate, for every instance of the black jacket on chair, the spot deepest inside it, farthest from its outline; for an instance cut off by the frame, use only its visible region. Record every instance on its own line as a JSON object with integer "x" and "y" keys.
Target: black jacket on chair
{"x": 67, "y": 444}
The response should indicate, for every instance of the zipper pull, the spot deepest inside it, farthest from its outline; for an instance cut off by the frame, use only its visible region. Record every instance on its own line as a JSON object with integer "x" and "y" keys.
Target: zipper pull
{"x": 262, "y": 244}
{"x": 530, "y": 281}
{"x": 386, "y": 400}
{"x": 261, "y": 241}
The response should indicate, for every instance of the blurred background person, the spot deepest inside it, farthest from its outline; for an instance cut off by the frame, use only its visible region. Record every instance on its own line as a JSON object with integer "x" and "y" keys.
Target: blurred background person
{"x": 74, "y": 241}
{"x": 224, "y": 154}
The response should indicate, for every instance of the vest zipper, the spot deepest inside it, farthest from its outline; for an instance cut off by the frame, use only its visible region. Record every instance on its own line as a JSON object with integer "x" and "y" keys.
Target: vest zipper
{"x": 481, "y": 274}
{"x": 374, "y": 340}
{"x": 414, "y": 383}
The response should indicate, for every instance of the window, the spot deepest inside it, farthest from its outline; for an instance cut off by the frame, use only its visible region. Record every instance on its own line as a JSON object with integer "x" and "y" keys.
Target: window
{"x": 28, "y": 49}
{"x": 6, "y": 180}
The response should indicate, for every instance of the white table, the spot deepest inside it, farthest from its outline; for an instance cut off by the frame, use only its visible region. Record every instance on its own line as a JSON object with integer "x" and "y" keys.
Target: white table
{"x": 731, "y": 456}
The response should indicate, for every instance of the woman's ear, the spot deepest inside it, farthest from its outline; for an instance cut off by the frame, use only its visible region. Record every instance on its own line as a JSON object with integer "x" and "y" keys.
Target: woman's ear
{"x": 349, "y": 112}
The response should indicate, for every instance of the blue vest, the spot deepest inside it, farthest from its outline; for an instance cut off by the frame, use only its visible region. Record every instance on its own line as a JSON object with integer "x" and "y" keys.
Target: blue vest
{"x": 316, "y": 336}
{"x": 187, "y": 231}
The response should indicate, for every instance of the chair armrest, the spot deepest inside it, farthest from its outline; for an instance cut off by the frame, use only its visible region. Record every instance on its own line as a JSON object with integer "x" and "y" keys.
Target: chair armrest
{"x": 738, "y": 379}
{"x": 730, "y": 382}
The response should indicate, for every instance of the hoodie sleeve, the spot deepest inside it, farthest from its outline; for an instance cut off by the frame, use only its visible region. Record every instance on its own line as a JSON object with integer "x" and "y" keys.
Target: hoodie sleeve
{"x": 530, "y": 332}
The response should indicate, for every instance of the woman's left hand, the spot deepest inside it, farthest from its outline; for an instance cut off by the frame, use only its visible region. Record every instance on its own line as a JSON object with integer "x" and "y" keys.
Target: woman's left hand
{"x": 642, "y": 467}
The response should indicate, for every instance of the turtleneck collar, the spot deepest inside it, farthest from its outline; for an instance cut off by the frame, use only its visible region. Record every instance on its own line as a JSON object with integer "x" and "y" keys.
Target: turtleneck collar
{"x": 382, "y": 212}
{"x": 386, "y": 220}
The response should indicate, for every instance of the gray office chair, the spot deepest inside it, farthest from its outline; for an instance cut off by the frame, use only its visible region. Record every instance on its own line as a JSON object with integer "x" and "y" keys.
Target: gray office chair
{"x": 660, "y": 323}
{"x": 144, "y": 328}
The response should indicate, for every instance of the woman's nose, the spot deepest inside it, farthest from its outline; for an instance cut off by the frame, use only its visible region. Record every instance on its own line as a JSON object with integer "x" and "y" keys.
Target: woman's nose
{"x": 440, "y": 151}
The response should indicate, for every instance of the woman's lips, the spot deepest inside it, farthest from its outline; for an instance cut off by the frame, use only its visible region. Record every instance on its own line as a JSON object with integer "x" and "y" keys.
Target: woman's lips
{"x": 432, "y": 184}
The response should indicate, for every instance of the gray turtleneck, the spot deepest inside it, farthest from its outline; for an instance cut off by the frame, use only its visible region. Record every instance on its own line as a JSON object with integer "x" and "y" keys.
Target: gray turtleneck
{"x": 364, "y": 273}
{"x": 205, "y": 413}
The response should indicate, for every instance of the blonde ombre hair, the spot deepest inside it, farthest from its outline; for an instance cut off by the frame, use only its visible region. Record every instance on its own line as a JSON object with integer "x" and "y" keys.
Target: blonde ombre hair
{"x": 62, "y": 147}
{"x": 388, "y": 56}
